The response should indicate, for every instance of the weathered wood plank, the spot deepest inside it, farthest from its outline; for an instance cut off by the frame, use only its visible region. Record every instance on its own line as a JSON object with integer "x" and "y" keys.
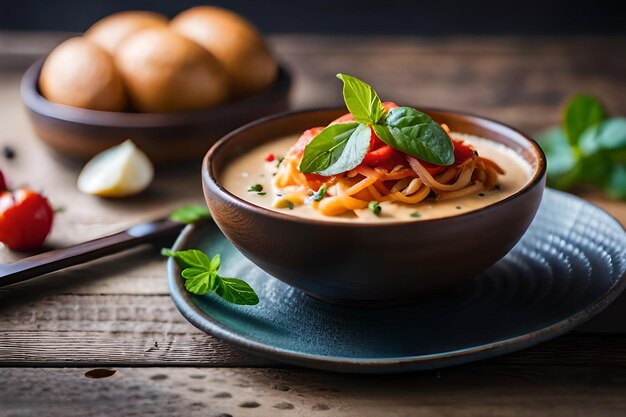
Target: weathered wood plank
{"x": 148, "y": 330}
{"x": 464, "y": 391}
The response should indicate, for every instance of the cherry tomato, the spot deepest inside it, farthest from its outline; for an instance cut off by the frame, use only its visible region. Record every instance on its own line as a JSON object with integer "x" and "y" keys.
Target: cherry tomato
{"x": 298, "y": 149}
{"x": 25, "y": 219}
{"x": 3, "y": 184}
{"x": 385, "y": 157}
{"x": 462, "y": 151}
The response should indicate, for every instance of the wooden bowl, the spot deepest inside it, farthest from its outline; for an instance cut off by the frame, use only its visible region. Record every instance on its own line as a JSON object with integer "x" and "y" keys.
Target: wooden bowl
{"x": 165, "y": 137}
{"x": 371, "y": 264}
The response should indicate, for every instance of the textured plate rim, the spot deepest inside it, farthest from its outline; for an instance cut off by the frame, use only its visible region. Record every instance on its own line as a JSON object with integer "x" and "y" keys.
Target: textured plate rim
{"x": 196, "y": 316}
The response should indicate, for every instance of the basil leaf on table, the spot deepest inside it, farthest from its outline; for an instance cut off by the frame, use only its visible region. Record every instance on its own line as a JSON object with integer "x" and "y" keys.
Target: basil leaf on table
{"x": 417, "y": 134}
{"x": 558, "y": 151}
{"x": 190, "y": 214}
{"x": 608, "y": 135}
{"x": 615, "y": 185}
{"x": 361, "y": 100}
{"x": 582, "y": 112}
{"x": 336, "y": 149}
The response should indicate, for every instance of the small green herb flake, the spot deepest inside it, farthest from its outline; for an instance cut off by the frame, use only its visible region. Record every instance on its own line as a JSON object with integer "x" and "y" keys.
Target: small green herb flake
{"x": 481, "y": 194}
{"x": 374, "y": 207}
{"x": 290, "y": 205}
{"x": 459, "y": 207}
{"x": 321, "y": 193}
{"x": 201, "y": 276}
{"x": 262, "y": 193}
{"x": 279, "y": 160}
{"x": 255, "y": 188}
{"x": 416, "y": 214}
{"x": 190, "y": 214}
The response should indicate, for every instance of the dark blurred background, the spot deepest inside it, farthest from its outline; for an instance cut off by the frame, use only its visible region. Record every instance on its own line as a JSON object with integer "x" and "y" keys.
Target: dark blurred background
{"x": 435, "y": 17}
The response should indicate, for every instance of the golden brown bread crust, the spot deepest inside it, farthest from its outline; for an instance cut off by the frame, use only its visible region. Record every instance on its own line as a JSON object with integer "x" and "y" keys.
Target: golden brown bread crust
{"x": 81, "y": 74}
{"x": 236, "y": 43}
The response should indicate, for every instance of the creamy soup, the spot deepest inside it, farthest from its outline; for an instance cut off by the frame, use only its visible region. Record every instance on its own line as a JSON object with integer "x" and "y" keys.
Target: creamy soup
{"x": 252, "y": 168}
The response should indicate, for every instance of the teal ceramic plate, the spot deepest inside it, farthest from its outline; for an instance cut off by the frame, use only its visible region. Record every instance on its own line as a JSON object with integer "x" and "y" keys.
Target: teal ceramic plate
{"x": 568, "y": 266}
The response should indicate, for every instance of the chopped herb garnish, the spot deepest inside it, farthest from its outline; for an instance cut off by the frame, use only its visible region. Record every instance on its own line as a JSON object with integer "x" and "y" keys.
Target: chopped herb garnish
{"x": 256, "y": 188}
{"x": 279, "y": 160}
{"x": 262, "y": 193}
{"x": 459, "y": 207}
{"x": 374, "y": 207}
{"x": 321, "y": 193}
{"x": 416, "y": 214}
{"x": 290, "y": 205}
{"x": 200, "y": 275}
{"x": 190, "y": 214}
{"x": 481, "y": 194}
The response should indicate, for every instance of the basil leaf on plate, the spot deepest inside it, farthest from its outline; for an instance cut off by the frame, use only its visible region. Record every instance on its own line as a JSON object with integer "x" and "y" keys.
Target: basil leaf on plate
{"x": 581, "y": 113}
{"x": 199, "y": 281}
{"x": 201, "y": 277}
{"x": 191, "y": 258}
{"x": 336, "y": 149}
{"x": 361, "y": 100}
{"x": 236, "y": 291}
{"x": 417, "y": 134}
{"x": 609, "y": 135}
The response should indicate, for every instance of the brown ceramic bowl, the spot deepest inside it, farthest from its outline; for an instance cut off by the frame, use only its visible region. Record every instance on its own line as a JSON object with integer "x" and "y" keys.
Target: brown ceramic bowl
{"x": 165, "y": 137}
{"x": 371, "y": 264}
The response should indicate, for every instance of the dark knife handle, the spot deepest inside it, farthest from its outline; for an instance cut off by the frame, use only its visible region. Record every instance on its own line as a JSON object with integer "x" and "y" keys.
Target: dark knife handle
{"x": 58, "y": 259}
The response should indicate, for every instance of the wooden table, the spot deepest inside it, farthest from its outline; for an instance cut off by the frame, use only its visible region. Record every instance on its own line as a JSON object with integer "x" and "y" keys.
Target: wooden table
{"x": 116, "y": 313}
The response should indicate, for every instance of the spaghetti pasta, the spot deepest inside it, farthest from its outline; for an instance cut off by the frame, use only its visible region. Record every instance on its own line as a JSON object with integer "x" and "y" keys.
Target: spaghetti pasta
{"x": 384, "y": 175}
{"x": 410, "y": 181}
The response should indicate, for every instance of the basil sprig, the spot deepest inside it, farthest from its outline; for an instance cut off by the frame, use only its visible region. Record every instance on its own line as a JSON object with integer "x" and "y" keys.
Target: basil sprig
{"x": 361, "y": 100}
{"x": 588, "y": 148}
{"x": 341, "y": 147}
{"x": 201, "y": 276}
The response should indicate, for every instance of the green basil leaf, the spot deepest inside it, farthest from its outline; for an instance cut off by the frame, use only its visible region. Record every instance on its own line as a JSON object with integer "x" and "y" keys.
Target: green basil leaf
{"x": 415, "y": 133}
{"x": 361, "y": 100}
{"x": 590, "y": 169}
{"x": 215, "y": 263}
{"x": 338, "y": 148}
{"x": 236, "y": 291}
{"x": 200, "y": 274}
{"x": 199, "y": 281}
{"x": 561, "y": 158}
{"x": 608, "y": 135}
{"x": 582, "y": 112}
{"x": 191, "y": 258}
{"x": 615, "y": 185}
{"x": 353, "y": 153}
{"x": 326, "y": 147}
{"x": 190, "y": 214}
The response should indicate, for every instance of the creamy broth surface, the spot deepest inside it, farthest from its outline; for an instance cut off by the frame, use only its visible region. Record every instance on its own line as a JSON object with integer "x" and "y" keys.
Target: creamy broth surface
{"x": 252, "y": 168}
